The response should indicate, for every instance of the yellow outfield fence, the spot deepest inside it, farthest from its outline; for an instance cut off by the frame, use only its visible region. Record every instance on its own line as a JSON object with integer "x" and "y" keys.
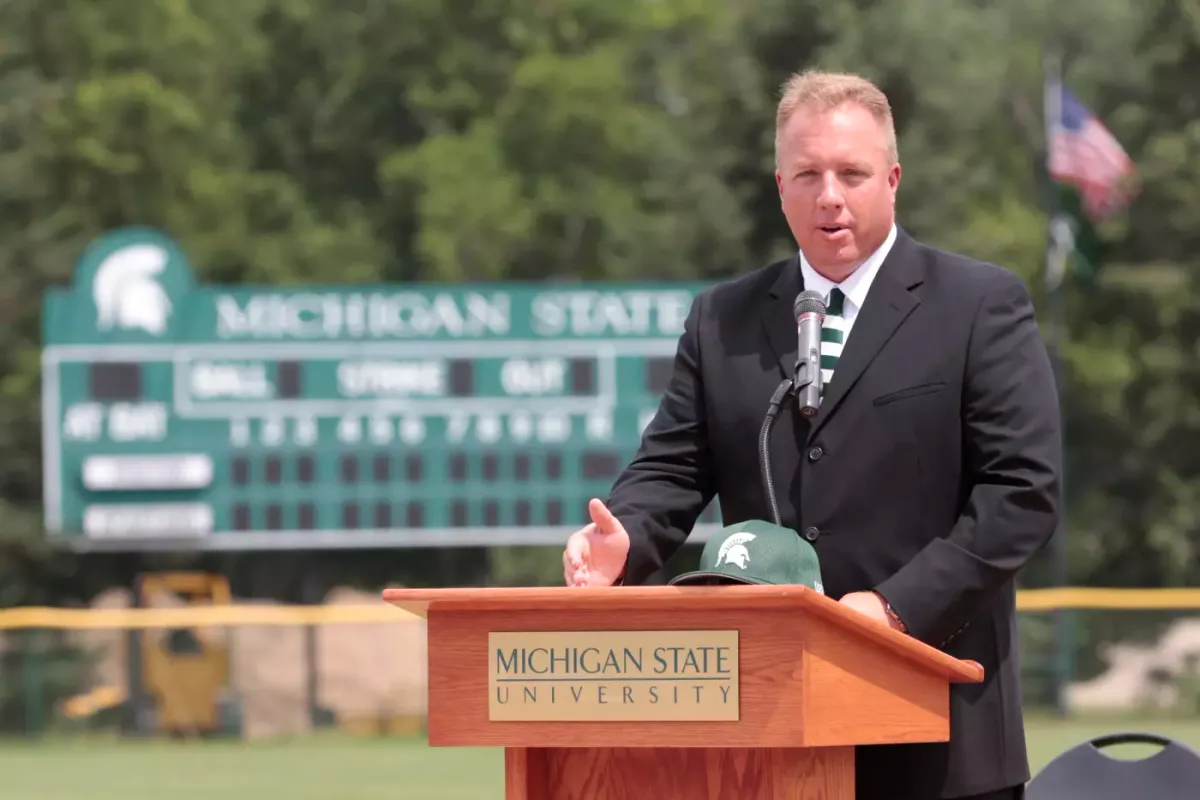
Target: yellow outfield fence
{"x": 267, "y": 669}
{"x": 32, "y": 617}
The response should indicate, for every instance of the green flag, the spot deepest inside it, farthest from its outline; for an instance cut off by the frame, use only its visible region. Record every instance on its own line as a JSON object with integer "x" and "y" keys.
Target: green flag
{"x": 1074, "y": 245}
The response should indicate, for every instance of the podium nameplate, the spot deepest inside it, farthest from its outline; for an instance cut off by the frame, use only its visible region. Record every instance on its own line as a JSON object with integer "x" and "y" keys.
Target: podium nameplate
{"x": 601, "y": 676}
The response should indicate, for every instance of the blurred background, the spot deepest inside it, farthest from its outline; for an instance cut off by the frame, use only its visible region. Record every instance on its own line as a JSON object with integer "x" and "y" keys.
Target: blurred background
{"x": 302, "y": 299}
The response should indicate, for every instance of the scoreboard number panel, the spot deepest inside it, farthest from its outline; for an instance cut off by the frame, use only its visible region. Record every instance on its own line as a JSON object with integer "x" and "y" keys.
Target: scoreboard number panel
{"x": 226, "y": 418}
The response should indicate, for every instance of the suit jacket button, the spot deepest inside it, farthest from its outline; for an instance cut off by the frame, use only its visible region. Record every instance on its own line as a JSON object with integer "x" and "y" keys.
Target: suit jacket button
{"x": 811, "y": 534}
{"x": 815, "y": 453}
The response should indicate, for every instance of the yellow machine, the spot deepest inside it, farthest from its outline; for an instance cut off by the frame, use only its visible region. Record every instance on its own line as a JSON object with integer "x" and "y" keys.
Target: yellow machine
{"x": 184, "y": 671}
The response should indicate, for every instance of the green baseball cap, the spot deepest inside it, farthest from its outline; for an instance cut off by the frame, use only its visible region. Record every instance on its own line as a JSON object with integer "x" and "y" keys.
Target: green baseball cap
{"x": 755, "y": 551}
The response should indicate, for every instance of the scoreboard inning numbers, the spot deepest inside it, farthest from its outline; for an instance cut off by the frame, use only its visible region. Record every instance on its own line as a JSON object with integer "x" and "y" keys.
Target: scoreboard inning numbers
{"x": 338, "y": 416}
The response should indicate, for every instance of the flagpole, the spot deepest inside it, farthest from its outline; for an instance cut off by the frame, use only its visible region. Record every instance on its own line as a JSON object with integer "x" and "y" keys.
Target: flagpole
{"x": 1059, "y": 247}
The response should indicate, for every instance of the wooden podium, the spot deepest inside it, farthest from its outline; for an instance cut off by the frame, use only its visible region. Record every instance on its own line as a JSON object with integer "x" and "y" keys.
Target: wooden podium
{"x": 696, "y": 692}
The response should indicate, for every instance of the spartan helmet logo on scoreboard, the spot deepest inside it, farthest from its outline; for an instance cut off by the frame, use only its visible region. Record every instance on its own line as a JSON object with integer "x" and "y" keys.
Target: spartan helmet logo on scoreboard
{"x": 128, "y": 292}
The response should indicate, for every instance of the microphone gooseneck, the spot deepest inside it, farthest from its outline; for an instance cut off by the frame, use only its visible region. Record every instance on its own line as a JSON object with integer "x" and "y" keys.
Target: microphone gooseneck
{"x": 764, "y": 445}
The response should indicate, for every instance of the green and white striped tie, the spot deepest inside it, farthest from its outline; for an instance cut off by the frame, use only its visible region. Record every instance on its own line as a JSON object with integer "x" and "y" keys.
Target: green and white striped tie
{"x": 833, "y": 334}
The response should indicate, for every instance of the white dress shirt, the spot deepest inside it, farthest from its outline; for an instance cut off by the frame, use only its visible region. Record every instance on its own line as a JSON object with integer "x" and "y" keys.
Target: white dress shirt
{"x": 855, "y": 286}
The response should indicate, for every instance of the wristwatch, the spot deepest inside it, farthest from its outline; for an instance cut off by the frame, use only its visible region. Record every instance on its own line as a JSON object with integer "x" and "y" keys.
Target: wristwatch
{"x": 892, "y": 615}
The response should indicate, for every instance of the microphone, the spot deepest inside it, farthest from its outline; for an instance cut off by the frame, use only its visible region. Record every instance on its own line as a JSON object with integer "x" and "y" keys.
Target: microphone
{"x": 809, "y": 310}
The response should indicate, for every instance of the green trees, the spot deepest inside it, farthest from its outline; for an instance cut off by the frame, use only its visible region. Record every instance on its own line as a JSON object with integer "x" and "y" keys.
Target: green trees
{"x": 294, "y": 141}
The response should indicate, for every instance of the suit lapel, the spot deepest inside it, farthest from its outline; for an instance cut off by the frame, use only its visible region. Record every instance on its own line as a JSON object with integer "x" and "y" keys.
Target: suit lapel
{"x": 888, "y": 304}
{"x": 778, "y": 323}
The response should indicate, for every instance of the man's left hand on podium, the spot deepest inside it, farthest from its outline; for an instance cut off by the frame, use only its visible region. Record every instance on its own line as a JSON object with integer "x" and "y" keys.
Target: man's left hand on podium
{"x": 872, "y": 605}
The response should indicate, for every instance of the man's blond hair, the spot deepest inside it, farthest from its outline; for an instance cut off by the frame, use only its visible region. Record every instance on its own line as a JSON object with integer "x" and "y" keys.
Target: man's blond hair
{"x": 823, "y": 91}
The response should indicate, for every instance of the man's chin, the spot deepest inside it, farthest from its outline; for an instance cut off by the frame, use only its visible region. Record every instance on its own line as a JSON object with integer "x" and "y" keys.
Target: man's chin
{"x": 835, "y": 263}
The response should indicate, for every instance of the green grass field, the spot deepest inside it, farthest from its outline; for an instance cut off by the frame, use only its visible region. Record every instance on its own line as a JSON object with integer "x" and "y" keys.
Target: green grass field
{"x": 340, "y": 768}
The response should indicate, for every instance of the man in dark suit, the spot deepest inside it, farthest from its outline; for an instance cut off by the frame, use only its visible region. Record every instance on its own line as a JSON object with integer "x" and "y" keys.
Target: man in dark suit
{"x": 931, "y": 472}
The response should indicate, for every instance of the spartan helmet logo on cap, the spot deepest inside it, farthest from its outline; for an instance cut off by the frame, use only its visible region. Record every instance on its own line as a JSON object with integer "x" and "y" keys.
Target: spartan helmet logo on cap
{"x": 733, "y": 550}
{"x": 127, "y": 292}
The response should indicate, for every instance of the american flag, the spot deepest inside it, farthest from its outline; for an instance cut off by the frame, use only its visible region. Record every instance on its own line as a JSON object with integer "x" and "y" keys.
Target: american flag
{"x": 1085, "y": 154}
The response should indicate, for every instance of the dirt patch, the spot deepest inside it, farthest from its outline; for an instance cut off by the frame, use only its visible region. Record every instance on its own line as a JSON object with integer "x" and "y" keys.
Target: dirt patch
{"x": 1129, "y": 682}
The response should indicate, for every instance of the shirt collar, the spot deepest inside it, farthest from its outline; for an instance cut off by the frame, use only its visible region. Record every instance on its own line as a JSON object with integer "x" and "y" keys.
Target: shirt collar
{"x": 856, "y": 285}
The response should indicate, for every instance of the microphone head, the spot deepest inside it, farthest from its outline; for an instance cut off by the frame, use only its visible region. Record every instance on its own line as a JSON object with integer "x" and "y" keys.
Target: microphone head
{"x": 809, "y": 302}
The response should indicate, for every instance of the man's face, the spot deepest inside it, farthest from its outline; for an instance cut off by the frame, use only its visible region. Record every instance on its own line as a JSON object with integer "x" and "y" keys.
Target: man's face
{"x": 838, "y": 186}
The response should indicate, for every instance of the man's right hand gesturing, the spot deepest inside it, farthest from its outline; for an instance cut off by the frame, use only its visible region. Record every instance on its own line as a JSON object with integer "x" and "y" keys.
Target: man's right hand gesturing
{"x": 596, "y": 553}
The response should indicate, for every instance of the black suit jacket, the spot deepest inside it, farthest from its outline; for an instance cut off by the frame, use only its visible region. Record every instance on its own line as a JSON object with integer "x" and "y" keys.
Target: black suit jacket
{"x": 931, "y": 473}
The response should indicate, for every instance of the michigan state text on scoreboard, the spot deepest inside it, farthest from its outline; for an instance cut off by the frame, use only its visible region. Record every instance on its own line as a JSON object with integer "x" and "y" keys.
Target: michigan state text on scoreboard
{"x": 338, "y": 416}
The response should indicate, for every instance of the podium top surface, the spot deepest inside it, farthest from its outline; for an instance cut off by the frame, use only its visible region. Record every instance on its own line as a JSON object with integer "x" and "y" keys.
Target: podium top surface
{"x": 686, "y": 598}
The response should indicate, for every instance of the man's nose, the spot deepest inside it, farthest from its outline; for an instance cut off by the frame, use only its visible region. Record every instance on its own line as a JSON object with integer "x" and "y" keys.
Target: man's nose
{"x": 831, "y": 193}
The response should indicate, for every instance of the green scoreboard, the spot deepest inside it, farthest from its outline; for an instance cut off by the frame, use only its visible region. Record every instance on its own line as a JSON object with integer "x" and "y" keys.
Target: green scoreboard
{"x": 251, "y": 417}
